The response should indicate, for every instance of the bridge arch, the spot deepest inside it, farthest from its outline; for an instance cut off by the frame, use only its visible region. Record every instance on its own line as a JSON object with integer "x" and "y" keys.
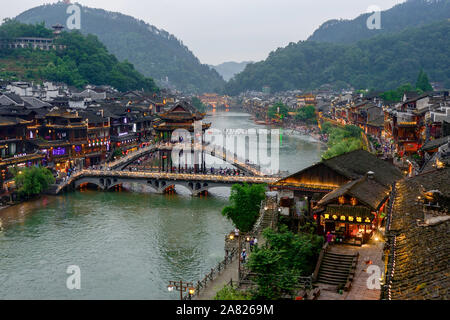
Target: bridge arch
{"x": 90, "y": 181}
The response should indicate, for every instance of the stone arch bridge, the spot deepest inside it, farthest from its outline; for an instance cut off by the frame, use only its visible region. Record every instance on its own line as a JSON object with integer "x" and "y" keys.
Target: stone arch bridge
{"x": 159, "y": 182}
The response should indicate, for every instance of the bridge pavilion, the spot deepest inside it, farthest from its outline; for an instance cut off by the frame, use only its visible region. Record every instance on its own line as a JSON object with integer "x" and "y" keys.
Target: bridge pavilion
{"x": 181, "y": 116}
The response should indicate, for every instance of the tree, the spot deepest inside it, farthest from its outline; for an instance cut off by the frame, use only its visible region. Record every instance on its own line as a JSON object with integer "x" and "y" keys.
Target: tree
{"x": 397, "y": 94}
{"x": 278, "y": 110}
{"x": 343, "y": 140}
{"x": 280, "y": 262}
{"x": 198, "y": 104}
{"x": 307, "y": 65}
{"x": 118, "y": 152}
{"x": 423, "y": 83}
{"x": 245, "y": 205}
{"x": 306, "y": 114}
{"x": 33, "y": 181}
{"x": 84, "y": 60}
{"x": 229, "y": 293}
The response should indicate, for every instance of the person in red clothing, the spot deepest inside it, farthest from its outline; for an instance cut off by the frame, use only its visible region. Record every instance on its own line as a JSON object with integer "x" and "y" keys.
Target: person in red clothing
{"x": 329, "y": 237}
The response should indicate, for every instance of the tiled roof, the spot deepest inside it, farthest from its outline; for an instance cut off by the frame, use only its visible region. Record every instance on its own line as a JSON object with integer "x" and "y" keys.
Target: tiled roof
{"x": 32, "y": 103}
{"x": 10, "y": 121}
{"x": 433, "y": 144}
{"x": 357, "y": 163}
{"x": 377, "y": 122}
{"x": 368, "y": 191}
{"x": 422, "y": 250}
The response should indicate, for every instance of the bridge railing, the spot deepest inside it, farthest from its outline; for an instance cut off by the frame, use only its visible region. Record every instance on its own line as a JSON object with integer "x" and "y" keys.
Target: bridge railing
{"x": 214, "y": 150}
{"x": 130, "y": 156}
{"x": 164, "y": 176}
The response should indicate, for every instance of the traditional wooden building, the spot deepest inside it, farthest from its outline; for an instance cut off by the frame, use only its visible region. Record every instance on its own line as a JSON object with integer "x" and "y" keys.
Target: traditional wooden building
{"x": 310, "y": 185}
{"x": 14, "y": 148}
{"x": 354, "y": 211}
{"x": 405, "y": 123}
{"x": 98, "y": 137}
{"x": 62, "y": 138}
{"x": 123, "y": 131}
{"x": 181, "y": 116}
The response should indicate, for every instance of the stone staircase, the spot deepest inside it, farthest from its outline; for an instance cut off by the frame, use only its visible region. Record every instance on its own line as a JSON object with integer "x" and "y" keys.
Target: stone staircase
{"x": 266, "y": 221}
{"x": 337, "y": 269}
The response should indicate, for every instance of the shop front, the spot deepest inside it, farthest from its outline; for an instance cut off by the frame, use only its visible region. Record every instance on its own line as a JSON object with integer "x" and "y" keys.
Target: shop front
{"x": 349, "y": 224}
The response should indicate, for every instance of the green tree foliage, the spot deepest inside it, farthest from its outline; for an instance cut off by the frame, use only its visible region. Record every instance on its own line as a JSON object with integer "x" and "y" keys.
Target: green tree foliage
{"x": 230, "y": 293}
{"x": 397, "y": 94}
{"x": 198, "y": 104}
{"x": 11, "y": 29}
{"x": 278, "y": 111}
{"x": 306, "y": 114}
{"x": 327, "y": 127}
{"x": 118, "y": 152}
{"x": 283, "y": 258}
{"x": 245, "y": 205}
{"x": 342, "y": 140}
{"x": 382, "y": 63}
{"x": 423, "y": 83}
{"x": 154, "y": 52}
{"x": 33, "y": 181}
{"x": 84, "y": 61}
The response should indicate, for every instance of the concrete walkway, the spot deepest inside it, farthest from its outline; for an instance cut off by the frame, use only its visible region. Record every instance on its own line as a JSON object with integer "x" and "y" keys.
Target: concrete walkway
{"x": 359, "y": 291}
{"x": 231, "y": 272}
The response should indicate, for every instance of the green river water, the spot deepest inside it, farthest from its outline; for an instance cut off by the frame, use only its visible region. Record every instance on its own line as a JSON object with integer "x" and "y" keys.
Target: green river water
{"x": 128, "y": 245}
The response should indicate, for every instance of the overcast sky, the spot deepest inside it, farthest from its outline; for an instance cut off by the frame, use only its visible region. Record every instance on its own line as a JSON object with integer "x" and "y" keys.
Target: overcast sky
{"x": 227, "y": 30}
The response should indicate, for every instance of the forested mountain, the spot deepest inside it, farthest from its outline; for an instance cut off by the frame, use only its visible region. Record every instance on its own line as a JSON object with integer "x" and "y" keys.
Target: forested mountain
{"x": 412, "y": 13}
{"x": 382, "y": 62}
{"x": 229, "y": 69}
{"x": 85, "y": 60}
{"x": 153, "y": 51}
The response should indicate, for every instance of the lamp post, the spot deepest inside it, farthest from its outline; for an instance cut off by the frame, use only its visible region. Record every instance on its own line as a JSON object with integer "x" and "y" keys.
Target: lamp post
{"x": 181, "y": 287}
{"x": 245, "y": 238}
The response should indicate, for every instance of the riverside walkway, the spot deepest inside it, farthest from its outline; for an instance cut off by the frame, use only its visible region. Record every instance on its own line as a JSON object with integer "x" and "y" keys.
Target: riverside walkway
{"x": 229, "y": 275}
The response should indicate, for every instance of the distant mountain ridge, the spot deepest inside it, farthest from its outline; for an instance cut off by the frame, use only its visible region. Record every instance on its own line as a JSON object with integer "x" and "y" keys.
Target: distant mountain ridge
{"x": 412, "y": 13}
{"x": 382, "y": 62}
{"x": 229, "y": 69}
{"x": 153, "y": 51}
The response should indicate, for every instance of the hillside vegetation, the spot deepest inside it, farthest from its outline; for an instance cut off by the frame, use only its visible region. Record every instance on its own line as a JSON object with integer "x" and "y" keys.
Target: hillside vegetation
{"x": 410, "y": 14}
{"x": 154, "y": 52}
{"x": 382, "y": 63}
{"x": 84, "y": 61}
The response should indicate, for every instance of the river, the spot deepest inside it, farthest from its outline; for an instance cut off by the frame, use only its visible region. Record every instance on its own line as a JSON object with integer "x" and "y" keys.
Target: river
{"x": 128, "y": 245}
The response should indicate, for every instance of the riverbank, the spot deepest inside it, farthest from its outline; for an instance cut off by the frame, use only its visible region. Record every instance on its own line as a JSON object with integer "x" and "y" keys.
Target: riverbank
{"x": 305, "y": 129}
{"x": 18, "y": 212}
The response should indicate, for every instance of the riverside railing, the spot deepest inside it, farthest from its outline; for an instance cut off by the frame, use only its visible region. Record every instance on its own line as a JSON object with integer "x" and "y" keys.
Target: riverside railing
{"x": 212, "y": 275}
